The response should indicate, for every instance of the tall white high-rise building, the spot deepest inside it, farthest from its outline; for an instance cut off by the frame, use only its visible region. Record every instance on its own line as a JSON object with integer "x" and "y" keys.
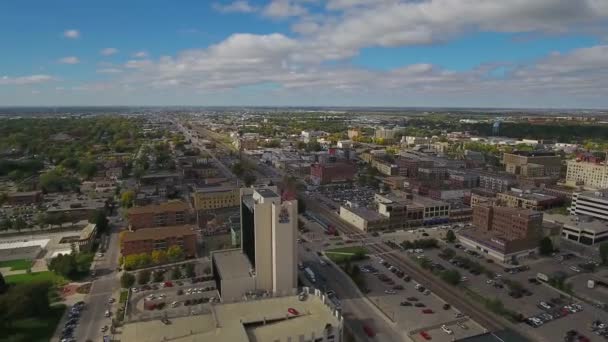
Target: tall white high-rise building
{"x": 268, "y": 237}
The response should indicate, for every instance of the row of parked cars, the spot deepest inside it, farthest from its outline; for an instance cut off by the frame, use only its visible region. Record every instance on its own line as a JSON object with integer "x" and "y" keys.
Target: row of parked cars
{"x": 551, "y": 312}
{"x": 67, "y": 334}
{"x": 599, "y": 328}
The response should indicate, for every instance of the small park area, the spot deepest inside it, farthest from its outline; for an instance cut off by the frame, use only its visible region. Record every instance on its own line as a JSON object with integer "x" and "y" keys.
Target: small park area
{"x": 16, "y": 265}
{"x": 346, "y": 254}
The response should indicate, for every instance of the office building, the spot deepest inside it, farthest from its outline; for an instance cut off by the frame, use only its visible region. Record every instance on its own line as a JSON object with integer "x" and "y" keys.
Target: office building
{"x": 532, "y": 164}
{"x": 590, "y": 203}
{"x": 305, "y": 317}
{"x": 147, "y": 240}
{"x": 24, "y": 198}
{"x": 267, "y": 260}
{"x": 172, "y": 213}
{"x": 504, "y": 233}
{"x": 87, "y": 238}
{"x": 592, "y": 175}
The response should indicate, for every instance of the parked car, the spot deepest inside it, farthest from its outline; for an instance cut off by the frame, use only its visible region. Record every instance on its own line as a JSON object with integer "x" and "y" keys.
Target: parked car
{"x": 447, "y": 330}
{"x": 425, "y": 335}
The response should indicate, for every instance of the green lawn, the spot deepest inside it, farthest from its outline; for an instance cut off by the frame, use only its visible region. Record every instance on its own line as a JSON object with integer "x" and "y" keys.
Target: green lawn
{"x": 19, "y": 264}
{"x": 38, "y": 329}
{"x": 343, "y": 254}
{"x": 35, "y": 276}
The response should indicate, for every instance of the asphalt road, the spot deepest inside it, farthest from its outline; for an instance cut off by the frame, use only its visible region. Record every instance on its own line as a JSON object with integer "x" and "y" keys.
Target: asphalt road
{"x": 103, "y": 286}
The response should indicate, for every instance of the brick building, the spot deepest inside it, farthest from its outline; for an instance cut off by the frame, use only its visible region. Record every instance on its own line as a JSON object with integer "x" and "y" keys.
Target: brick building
{"x": 504, "y": 233}
{"x": 332, "y": 172}
{"x": 159, "y": 215}
{"x": 146, "y": 240}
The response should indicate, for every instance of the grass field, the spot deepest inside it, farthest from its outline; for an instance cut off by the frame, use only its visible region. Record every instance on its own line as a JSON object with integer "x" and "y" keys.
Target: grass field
{"x": 19, "y": 264}
{"x": 340, "y": 255}
{"x": 38, "y": 329}
{"x": 35, "y": 276}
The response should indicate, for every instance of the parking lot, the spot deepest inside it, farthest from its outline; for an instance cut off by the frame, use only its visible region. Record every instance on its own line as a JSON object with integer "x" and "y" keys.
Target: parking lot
{"x": 340, "y": 193}
{"x": 416, "y": 310}
{"x": 172, "y": 299}
{"x": 521, "y": 294}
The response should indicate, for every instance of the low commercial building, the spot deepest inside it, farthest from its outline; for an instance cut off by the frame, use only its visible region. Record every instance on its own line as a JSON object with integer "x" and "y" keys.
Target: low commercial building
{"x": 216, "y": 197}
{"x": 408, "y": 210}
{"x": 496, "y": 182}
{"x": 363, "y": 218}
{"x": 304, "y": 317}
{"x": 482, "y": 196}
{"x": 24, "y": 198}
{"x": 590, "y": 203}
{"x": 385, "y": 167}
{"x": 528, "y": 200}
{"x": 332, "y": 172}
{"x": 159, "y": 215}
{"x": 234, "y": 274}
{"x": 146, "y": 240}
{"x": 581, "y": 229}
{"x": 87, "y": 237}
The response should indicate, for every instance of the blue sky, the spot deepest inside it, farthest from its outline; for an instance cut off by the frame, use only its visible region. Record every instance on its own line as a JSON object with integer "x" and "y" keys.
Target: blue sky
{"x": 542, "y": 53}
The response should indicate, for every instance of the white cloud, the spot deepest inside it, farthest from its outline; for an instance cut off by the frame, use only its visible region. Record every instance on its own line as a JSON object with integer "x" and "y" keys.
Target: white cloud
{"x": 108, "y": 51}
{"x": 71, "y": 34}
{"x": 24, "y": 80}
{"x": 283, "y": 9}
{"x": 109, "y": 71}
{"x": 69, "y": 60}
{"x": 140, "y": 54}
{"x": 239, "y": 6}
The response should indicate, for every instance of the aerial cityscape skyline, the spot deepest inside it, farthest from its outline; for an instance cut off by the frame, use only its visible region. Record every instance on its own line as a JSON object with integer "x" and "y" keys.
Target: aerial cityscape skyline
{"x": 456, "y": 53}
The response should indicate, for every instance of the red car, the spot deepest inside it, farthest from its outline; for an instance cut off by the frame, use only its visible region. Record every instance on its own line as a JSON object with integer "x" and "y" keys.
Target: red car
{"x": 168, "y": 284}
{"x": 427, "y": 311}
{"x": 369, "y": 331}
{"x": 425, "y": 335}
{"x": 293, "y": 311}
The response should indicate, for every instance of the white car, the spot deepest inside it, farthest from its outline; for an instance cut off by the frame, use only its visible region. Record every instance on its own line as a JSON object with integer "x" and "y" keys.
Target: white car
{"x": 575, "y": 269}
{"x": 174, "y": 304}
{"x": 111, "y": 300}
{"x": 390, "y": 291}
{"x": 107, "y": 313}
{"x": 446, "y": 329}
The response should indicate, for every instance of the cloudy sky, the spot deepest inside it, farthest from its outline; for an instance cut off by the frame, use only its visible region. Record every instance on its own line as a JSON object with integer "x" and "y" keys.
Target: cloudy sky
{"x": 498, "y": 53}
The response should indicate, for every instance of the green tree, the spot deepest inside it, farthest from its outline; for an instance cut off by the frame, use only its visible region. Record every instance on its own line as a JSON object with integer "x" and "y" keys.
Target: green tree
{"x": 545, "y": 246}
{"x": 143, "y": 277}
{"x": 604, "y": 252}
{"x": 158, "y": 276}
{"x": 127, "y": 198}
{"x": 2, "y": 284}
{"x": 144, "y": 259}
{"x": 249, "y": 179}
{"x": 6, "y": 224}
{"x": 87, "y": 169}
{"x": 450, "y": 236}
{"x": 175, "y": 253}
{"x": 127, "y": 280}
{"x": 100, "y": 219}
{"x": 190, "y": 271}
{"x": 19, "y": 224}
{"x": 159, "y": 257}
{"x": 63, "y": 264}
{"x": 451, "y": 277}
{"x": 176, "y": 273}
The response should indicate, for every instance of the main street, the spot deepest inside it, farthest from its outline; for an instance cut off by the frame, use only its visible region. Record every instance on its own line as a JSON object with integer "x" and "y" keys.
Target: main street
{"x": 103, "y": 287}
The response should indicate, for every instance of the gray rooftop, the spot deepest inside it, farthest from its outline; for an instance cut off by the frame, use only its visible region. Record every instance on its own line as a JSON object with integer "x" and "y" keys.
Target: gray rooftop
{"x": 266, "y": 193}
{"x": 231, "y": 264}
{"x": 582, "y": 223}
